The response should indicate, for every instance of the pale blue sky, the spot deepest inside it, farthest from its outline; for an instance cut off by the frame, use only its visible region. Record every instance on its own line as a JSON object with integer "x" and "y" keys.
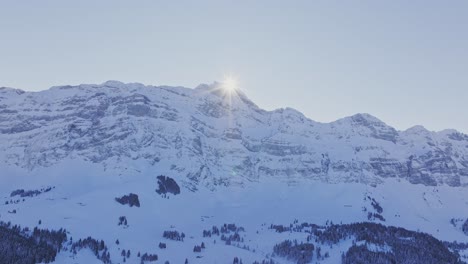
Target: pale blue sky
{"x": 405, "y": 62}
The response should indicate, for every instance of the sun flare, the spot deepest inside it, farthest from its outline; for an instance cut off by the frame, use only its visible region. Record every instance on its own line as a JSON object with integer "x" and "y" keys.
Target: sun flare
{"x": 229, "y": 84}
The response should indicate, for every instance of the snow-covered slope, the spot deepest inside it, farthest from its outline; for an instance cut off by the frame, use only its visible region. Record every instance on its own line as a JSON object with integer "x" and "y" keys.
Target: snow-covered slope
{"x": 77, "y": 148}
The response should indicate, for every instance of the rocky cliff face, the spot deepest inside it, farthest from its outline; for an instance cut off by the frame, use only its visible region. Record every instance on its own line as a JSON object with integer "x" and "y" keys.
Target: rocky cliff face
{"x": 211, "y": 137}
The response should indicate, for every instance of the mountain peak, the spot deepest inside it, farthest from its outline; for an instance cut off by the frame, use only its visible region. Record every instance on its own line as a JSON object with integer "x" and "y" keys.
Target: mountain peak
{"x": 9, "y": 90}
{"x": 361, "y": 117}
{"x": 235, "y": 96}
{"x": 113, "y": 83}
{"x": 418, "y": 129}
{"x": 367, "y": 125}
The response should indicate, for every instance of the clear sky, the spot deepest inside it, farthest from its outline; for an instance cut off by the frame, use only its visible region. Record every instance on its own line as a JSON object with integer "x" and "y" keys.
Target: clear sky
{"x": 405, "y": 62}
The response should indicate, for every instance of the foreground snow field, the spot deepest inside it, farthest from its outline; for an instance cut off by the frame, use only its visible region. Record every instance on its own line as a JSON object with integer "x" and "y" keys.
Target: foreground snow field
{"x": 83, "y": 202}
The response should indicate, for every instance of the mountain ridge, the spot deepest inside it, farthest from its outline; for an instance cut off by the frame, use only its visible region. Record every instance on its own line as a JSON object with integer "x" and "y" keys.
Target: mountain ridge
{"x": 204, "y": 86}
{"x": 223, "y": 136}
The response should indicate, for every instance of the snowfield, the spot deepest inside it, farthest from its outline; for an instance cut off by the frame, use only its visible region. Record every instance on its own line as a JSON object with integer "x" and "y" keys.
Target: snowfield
{"x": 83, "y": 202}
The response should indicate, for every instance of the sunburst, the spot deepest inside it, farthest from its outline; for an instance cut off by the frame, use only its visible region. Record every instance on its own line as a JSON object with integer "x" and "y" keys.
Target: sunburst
{"x": 229, "y": 84}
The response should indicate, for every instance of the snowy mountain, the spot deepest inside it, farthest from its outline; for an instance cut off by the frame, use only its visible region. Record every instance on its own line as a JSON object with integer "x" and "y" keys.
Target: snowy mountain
{"x": 212, "y": 138}
{"x": 134, "y": 164}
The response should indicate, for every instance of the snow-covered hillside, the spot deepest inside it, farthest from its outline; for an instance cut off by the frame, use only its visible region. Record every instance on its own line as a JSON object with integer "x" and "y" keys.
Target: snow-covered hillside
{"x": 67, "y": 153}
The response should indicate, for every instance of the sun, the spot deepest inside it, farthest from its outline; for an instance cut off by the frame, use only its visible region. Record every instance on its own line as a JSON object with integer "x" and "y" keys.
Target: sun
{"x": 229, "y": 84}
